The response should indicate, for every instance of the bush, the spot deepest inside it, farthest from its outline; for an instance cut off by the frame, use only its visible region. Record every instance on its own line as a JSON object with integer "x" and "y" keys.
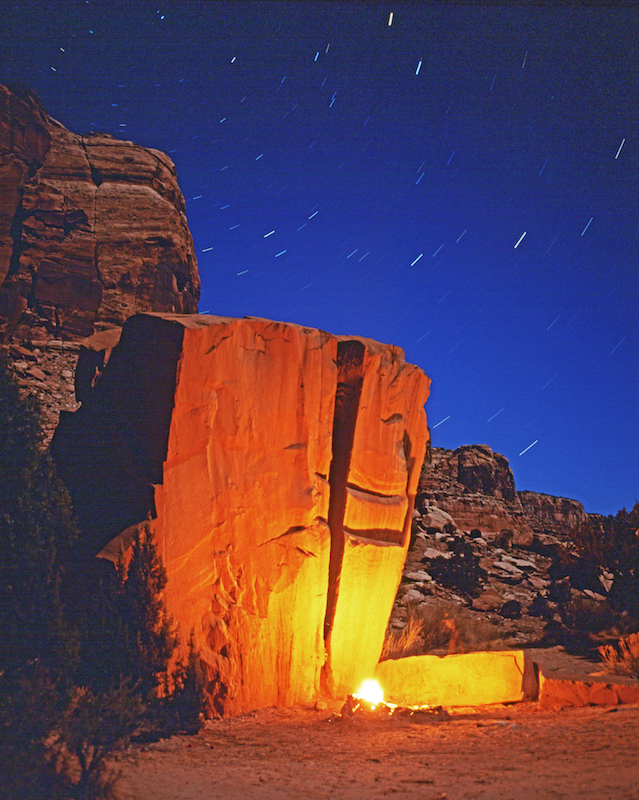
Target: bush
{"x": 131, "y": 638}
{"x": 128, "y": 634}
{"x": 407, "y": 642}
{"x": 184, "y": 703}
{"x": 92, "y": 729}
{"x": 622, "y": 659}
{"x": 445, "y": 627}
{"x": 74, "y": 687}
{"x": 587, "y": 615}
{"x": 38, "y": 645}
{"x": 461, "y": 572}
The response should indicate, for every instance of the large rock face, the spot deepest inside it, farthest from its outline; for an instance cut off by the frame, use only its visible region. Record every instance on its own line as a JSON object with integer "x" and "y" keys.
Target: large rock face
{"x": 281, "y": 466}
{"x": 92, "y": 229}
{"x": 476, "y": 487}
{"x": 558, "y": 515}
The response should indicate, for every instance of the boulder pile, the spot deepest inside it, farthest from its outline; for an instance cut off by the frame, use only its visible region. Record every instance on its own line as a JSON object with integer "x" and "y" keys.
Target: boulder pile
{"x": 503, "y": 554}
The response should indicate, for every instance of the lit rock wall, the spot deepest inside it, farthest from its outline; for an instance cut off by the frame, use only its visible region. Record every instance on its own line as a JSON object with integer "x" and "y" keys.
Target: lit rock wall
{"x": 282, "y": 503}
{"x": 468, "y": 679}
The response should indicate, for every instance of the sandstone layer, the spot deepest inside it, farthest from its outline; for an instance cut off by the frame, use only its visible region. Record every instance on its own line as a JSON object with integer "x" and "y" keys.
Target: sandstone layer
{"x": 557, "y": 693}
{"x": 509, "y": 556}
{"x": 280, "y": 465}
{"x": 92, "y": 228}
{"x": 558, "y": 515}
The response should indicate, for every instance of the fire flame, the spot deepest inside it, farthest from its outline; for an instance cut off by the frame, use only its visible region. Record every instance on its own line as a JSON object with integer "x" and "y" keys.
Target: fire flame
{"x": 371, "y": 692}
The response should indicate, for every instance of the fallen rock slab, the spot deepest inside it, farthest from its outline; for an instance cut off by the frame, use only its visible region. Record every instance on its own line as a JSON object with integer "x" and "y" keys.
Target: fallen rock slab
{"x": 556, "y": 693}
{"x": 468, "y": 679}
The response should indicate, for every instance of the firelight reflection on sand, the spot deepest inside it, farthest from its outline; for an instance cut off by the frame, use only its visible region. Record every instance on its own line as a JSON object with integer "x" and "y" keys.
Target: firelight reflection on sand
{"x": 370, "y": 691}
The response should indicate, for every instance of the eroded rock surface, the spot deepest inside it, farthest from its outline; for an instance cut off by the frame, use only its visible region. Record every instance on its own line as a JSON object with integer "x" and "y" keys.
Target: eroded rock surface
{"x": 507, "y": 556}
{"x": 280, "y": 464}
{"x": 92, "y": 228}
{"x": 558, "y": 515}
{"x": 476, "y": 487}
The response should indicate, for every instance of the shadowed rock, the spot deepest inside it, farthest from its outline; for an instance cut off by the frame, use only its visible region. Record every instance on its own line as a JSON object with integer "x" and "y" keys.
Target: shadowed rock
{"x": 92, "y": 228}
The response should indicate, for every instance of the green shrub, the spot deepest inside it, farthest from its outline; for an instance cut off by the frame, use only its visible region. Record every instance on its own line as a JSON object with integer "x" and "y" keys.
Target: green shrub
{"x": 462, "y": 571}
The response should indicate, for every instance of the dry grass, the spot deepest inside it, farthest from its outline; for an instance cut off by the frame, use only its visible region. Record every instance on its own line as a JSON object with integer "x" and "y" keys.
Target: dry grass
{"x": 623, "y": 658}
{"x": 408, "y": 642}
{"x": 446, "y": 627}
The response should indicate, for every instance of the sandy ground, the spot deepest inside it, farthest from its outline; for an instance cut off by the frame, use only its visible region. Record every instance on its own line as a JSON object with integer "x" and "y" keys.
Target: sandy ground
{"x": 496, "y": 753}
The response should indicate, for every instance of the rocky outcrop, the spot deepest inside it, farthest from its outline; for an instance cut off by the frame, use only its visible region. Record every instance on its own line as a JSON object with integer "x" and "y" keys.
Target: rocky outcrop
{"x": 506, "y": 554}
{"x": 476, "y": 488}
{"x": 556, "y": 693}
{"x": 92, "y": 228}
{"x": 280, "y": 465}
{"x": 471, "y": 468}
{"x": 46, "y": 370}
{"x": 557, "y": 515}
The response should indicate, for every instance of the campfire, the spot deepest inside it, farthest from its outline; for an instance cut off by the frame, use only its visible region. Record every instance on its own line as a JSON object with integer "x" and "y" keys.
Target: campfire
{"x": 368, "y": 703}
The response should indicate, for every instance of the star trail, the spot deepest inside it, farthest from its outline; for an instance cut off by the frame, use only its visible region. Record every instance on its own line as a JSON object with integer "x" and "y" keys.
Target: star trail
{"x": 390, "y": 169}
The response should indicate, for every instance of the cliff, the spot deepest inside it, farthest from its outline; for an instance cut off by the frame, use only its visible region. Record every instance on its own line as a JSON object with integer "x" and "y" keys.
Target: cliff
{"x": 92, "y": 230}
{"x": 504, "y": 553}
{"x": 557, "y": 515}
{"x": 476, "y": 488}
{"x": 280, "y": 466}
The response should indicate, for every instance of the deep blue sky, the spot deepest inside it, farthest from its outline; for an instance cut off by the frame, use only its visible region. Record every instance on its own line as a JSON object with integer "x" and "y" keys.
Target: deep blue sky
{"x": 397, "y": 167}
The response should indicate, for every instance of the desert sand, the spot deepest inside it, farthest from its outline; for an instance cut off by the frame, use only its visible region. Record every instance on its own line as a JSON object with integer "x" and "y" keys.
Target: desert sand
{"x": 505, "y": 752}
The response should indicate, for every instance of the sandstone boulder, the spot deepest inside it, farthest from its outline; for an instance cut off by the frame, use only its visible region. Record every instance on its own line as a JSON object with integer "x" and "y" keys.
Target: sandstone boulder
{"x": 280, "y": 464}
{"x": 469, "y": 679}
{"x": 566, "y": 691}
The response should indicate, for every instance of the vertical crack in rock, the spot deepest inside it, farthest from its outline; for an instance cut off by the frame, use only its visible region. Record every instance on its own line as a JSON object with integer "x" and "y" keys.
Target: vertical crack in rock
{"x": 350, "y": 376}
{"x": 244, "y": 439}
{"x": 97, "y": 178}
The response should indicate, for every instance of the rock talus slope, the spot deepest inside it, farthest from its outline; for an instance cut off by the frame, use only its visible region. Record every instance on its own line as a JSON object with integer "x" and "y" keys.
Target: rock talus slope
{"x": 285, "y": 464}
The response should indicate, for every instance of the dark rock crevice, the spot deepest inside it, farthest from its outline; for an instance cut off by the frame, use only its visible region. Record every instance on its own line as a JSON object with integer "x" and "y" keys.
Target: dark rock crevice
{"x": 350, "y": 376}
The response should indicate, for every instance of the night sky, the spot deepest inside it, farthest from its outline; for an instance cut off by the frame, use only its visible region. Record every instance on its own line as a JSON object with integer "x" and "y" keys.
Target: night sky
{"x": 459, "y": 180}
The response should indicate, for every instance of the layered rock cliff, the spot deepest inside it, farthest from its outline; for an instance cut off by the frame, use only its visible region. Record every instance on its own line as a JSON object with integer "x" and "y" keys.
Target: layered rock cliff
{"x": 507, "y": 554}
{"x": 558, "y": 515}
{"x": 92, "y": 230}
{"x": 280, "y": 466}
{"x": 476, "y": 487}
